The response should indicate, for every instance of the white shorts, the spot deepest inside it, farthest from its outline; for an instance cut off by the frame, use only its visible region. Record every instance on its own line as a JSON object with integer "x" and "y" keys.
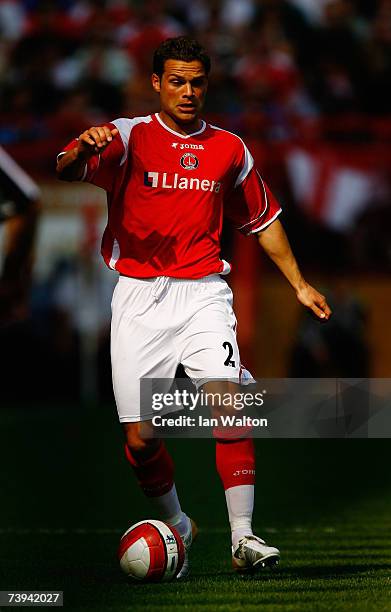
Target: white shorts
{"x": 162, "y": 322}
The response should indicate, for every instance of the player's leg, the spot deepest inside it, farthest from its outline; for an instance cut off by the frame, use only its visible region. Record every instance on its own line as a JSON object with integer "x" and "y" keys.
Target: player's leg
{"x": 141, "y": 347}
{"x": 235, "y": 463}
{"x": 154, "y": 470}
{"x": 235, "y": 459}
{"x": 210, "y": 356}
{"x": 210, "y": 351}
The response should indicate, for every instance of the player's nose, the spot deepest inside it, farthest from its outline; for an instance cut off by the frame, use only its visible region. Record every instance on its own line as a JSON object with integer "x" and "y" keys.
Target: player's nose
{"x": 188, "y": 90}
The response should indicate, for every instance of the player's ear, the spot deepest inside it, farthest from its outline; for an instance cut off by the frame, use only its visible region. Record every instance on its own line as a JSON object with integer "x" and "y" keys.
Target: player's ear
{"x": 156, "y": 82}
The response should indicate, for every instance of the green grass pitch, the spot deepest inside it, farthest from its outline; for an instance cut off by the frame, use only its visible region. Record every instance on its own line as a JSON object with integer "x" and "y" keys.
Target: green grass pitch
{"x": 67, "y": 494}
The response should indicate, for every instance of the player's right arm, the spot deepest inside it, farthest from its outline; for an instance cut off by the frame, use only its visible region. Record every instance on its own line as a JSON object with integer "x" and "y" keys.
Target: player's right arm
{"x": 71, "y": 164}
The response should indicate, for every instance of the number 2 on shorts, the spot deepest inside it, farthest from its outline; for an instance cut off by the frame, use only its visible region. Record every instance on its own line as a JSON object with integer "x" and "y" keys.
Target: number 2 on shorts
{"x": 229, "y": 361}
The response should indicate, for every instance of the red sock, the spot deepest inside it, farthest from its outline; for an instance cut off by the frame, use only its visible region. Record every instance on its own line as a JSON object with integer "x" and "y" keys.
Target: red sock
{"x": 155, "y": 475}
{"x": 235, "y": 462}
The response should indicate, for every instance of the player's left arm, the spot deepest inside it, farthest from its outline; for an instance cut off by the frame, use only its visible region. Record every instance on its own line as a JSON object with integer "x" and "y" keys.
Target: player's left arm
{"x": 274, "y": 242}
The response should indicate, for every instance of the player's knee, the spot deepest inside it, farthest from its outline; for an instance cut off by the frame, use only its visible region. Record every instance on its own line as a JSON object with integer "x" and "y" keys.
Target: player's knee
{"x": 138, "y": 441}
{"x": 137, "y": 445}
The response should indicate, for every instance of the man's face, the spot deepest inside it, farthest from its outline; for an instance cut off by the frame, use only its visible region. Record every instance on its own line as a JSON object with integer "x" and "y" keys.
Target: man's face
{"x": 182, "y": 90}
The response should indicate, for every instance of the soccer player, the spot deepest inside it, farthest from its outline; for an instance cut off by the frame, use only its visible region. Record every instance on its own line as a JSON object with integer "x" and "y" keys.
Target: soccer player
{"x": 170, "y": 178}
{"x": 19, "y": 210}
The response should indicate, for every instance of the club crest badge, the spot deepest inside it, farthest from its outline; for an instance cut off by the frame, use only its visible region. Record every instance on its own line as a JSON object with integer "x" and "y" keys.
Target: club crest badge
{"x": 189, "y": 161}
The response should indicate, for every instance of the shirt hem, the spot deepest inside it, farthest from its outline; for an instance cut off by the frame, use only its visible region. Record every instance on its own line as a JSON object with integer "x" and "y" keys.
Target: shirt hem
{"x": 264, "y": 226}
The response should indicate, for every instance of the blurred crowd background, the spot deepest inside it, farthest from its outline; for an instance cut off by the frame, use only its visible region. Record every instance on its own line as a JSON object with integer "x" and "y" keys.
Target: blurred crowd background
{"x": 305, "y": 82}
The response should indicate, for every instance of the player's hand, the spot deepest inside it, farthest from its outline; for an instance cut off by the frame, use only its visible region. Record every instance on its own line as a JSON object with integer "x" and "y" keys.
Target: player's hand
{"x": 95, "y": 140}
{"x": 315, "y": 301}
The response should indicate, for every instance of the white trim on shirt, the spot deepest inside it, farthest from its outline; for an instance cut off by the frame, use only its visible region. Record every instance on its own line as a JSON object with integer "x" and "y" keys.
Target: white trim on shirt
{"x": 266, "y": 205}
{"x": 248, "y": 158}
{"x": 203, "y": 126}
{"x": 125, "y": 126}
{"x": 115, "y": 254}
{"x": 264, "y": 226}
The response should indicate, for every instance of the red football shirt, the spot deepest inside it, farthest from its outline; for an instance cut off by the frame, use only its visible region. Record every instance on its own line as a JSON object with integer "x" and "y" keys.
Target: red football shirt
{"x": 167, "y": 194}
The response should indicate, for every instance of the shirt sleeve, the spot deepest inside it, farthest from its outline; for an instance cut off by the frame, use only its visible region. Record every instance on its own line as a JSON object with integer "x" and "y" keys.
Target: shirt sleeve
{"x": 250, "y": 205}
{"x": 101, "y": 168}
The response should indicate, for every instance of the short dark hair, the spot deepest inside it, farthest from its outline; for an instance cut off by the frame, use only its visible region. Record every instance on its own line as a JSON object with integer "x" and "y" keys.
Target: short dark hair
{"x": 180, "y": 48}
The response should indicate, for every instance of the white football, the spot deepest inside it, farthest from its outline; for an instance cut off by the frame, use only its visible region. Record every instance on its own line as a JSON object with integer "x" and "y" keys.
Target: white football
{"x": 151, "y": 551}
